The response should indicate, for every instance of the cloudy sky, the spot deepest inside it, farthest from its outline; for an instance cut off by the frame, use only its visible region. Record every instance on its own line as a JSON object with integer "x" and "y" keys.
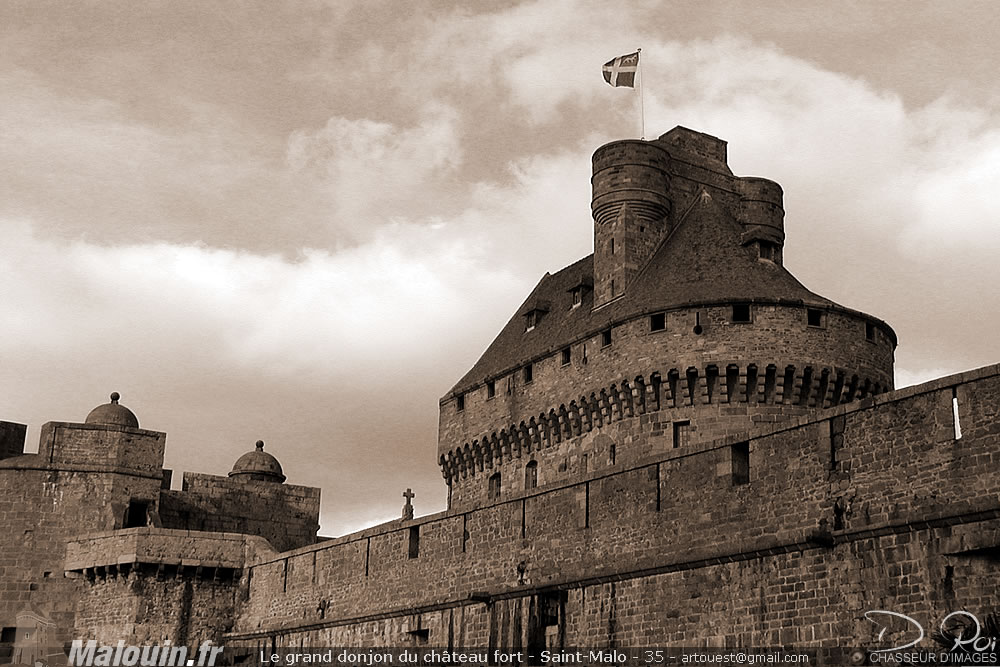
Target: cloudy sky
{"x": 303, "y": 222}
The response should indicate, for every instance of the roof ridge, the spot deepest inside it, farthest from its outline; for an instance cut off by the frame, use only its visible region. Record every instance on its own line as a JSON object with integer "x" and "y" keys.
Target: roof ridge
{"x": 694, "y": 202}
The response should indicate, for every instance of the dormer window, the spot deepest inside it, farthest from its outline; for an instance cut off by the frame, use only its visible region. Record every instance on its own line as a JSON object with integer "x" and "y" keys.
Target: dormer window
{"x": 578, "y": 290}
{"x": 768, "y": 250}
{"x": 534, "y": 313}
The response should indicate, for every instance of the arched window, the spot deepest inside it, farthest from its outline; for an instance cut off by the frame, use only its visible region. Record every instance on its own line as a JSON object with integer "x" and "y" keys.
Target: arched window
{"x": 531, "y": 475}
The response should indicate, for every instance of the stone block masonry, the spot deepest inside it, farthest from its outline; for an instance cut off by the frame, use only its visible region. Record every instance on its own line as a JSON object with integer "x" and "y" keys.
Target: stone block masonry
{"x": 674, "y": 549}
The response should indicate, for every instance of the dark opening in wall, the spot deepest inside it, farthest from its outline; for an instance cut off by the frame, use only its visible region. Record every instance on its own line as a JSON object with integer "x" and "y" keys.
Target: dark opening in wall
{"x": 814, "y": 317}
{"x": 567, "y": 356}
{"x": 530, "y": 319}
{"x": 741, "y": 312}
{"x": 767, "y": 250}
{"x": 612, "y": 247}
{"x": 491, "y": 389}
{"x": 606, "y": 338}
{"x": 494, "y": 486}
{"x": 531, "y": 475}
{"x": 657, "y": 322}
{"x": 869, "y": 331}
{"x": 8, "y": 635}
{"x": 529, "y": 373}
{"x": 460, "y": 402}
{"x": 612, "y": 453}
{"x": 135, "y": 515}
{"x": 682, "y": 433}
{"x": 697, "y": 324}
{"x": 612, "y": 287}
{"x": 577, "y": 296}
{"x": 414, "y": 544}
{"x": 741, "y": 463}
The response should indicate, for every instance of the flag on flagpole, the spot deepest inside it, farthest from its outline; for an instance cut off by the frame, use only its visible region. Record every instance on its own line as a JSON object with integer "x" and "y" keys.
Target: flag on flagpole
{"x": 621, "y": 71}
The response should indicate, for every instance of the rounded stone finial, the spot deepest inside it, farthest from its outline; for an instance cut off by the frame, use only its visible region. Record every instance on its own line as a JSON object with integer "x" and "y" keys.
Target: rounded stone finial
{"x": 260, "y": 445}
{"x": 115, "y": 396}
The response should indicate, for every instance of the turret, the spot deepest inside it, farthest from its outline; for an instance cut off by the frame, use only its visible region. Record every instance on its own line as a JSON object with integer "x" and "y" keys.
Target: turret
{"x": 631, "y": 208}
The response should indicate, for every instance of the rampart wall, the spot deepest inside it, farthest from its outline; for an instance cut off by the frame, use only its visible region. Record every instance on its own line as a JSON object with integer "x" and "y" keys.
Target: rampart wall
{"x": 871, "y": 503}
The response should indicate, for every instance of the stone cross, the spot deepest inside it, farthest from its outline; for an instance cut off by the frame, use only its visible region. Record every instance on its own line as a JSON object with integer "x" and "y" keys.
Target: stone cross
{"x": 408, "y": 508}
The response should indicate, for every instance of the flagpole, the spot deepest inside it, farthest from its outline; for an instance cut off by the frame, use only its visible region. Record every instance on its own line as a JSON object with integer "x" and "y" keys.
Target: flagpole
{"x": 642, "y": 106}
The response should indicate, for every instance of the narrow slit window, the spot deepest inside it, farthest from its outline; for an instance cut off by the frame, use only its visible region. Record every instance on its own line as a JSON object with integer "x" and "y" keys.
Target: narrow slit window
{"x": 494, "y": 486}
{"x": 529, "y": 374}
{"x": 567, "y": 356}
{"x": 741, "y": 463}
{"x": 657, "y": 322}
{"x": 491, "y": 389}
{"x": 414, "y": 543}
{"x": 612, "y": 246}
{"x": 460, "y": 402}
{"x": 869, "y": 331}
{"x": 606, "y": 338}
{"x": 577, "y": 294}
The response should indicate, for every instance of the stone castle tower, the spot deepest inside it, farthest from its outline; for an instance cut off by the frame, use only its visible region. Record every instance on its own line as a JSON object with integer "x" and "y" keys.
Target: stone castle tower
{"x": 672, "y": 442}
{"x": 684, "y": 310}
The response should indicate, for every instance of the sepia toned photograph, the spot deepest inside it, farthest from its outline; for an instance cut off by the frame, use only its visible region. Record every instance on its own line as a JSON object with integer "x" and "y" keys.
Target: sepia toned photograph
{"x": 542, "y": 332}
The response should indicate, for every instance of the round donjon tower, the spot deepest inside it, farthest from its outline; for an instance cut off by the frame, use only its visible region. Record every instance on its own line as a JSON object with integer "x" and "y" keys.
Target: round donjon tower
{"x": 683, "y": 327}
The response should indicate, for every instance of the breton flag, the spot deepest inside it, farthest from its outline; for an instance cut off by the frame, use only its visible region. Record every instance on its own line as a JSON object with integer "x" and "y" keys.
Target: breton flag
{"x": 621, "y": 70}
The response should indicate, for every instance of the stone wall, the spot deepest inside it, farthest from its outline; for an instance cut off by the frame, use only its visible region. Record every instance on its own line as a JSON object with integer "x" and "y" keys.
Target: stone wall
{"x": 40, "y": 509}
{"x": 102, "y": 446}
{"x": 11, "y": 439}
{"x": 830, "y": 364}
{"x": 875, "y": 502}
{"x": 285, "y": 515}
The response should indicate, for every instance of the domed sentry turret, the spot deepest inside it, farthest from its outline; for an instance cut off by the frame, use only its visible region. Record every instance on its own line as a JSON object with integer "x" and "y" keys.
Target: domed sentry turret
{"x": 113, "y": 414}
{"x": 258, "y": 465}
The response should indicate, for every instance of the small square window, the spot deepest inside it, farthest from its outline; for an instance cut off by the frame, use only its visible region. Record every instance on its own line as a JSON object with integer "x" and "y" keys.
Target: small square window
{"x": 869, "y": 331}
{"x": 491, "y": 389}
{"x": 741, "y": 312}
{"x": 657, "y": 322}
{"x": 460, "y": 402}
{"x": 529, "y": 373}
{"x": 567, "y": 356}
{"x": 814, "y": 317}
{"x": 606, "y": 338}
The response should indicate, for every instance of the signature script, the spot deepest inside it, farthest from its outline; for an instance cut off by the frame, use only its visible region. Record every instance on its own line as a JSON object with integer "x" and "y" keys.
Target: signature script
{"x": 976, "y": 641}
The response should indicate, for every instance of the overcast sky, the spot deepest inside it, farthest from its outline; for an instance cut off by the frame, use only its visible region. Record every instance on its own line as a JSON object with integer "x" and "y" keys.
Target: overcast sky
{"x": 303, "y": 222}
